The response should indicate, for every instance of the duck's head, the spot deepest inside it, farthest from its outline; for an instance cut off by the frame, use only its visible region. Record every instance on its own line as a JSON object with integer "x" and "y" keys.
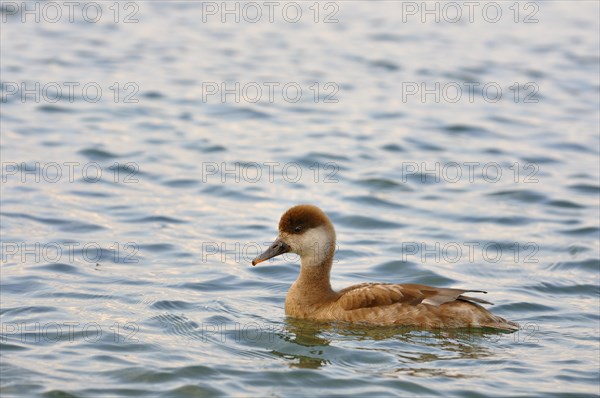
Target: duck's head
{"x": 304, "y": 230}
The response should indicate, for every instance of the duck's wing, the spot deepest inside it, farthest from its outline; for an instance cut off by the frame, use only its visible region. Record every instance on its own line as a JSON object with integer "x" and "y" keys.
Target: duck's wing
{"x": 439, "y": 295}
{"x": 368, "y": 295}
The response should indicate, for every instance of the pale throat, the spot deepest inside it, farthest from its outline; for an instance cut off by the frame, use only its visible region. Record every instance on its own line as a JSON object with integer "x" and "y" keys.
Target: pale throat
{"x": 318, "y": 247}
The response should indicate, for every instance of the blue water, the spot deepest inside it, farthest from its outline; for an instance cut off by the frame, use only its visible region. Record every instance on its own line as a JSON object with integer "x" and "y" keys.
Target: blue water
{"x": 457, "y": 154}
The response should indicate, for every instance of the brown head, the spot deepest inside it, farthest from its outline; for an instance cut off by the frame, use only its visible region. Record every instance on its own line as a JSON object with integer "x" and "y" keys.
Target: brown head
{"x": 306, "y": 231}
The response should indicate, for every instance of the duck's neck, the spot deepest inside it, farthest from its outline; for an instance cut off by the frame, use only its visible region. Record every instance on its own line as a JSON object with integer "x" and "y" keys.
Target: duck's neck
{"x": 313, "y": 281}
{"x": 313, "y": 289}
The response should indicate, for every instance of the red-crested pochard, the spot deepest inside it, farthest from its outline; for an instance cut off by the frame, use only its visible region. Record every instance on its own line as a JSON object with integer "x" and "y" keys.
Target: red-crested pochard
{"x": 307, "y": 231}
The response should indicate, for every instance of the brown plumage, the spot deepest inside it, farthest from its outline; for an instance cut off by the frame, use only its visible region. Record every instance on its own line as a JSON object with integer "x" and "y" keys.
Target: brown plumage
{"x": 307, "y": 231}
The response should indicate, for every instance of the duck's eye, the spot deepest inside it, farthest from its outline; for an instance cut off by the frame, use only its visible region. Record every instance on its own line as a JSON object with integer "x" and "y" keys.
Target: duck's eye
{"x": 298, "y": 228}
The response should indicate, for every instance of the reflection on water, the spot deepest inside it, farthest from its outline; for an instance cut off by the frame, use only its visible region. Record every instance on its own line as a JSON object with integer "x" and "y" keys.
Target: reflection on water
{"x": 409, "y": 345}
{"x": 309, "y": 336}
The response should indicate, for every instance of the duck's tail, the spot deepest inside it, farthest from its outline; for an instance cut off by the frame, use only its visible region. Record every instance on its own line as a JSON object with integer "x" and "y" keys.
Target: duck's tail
{"x": 502, "y": 324}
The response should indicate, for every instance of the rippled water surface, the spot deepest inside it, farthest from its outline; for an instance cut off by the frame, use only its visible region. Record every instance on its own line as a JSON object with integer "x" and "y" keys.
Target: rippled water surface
{"x": 131, "y": 209}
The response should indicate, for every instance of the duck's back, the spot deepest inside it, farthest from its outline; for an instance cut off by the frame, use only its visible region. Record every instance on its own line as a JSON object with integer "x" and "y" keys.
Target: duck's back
{"x": 410, "y": 305}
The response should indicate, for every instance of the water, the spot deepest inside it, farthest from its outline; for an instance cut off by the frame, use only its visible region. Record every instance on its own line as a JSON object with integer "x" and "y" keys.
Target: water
{"x": 126, "y": 265}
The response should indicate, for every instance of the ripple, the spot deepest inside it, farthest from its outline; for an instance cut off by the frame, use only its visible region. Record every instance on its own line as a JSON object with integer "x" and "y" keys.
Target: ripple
{"x": 98, "y": 154}
{"x": 508, "y": 120}
{"x": 540, "y": 160}
{"x": 586, "y": 188}
{"x": 592, "y": 265}
{"x": 75, "y": 295}
{"x": 157, "y": 247}
{"x": 387, "y": 115}
{"x": 140, "y": 375}
{"x": 595, "y": 231}
{"x": 54, "y": 109}
{"x": 204, "y": 147}
{"x": 91, "y": 194}
{"x": 523, "y": 195}
{"x": 172, "y": 305}
{"x": 525, "y": 307}
{"x": 106, "y": 392}
{"x": 375, "y": 202}
{"x": 362, "y": 222}
{"x": 513, "y": 221}
{"x": 21, "y": 285}
{"x": 224, "y": 192}
{"x": 157, "y": 219}
{"x": 565, "y": 204}
{"x": 153, "y": 95}
{"x": 426, "y": 146}
{"x": 63, "y": 225}
{"x": 216, "y": 284}
{"x": 214, "y": 148}
{"x": 60, "y": 268}
{"x": 565, "y": 289}
{"x": 413, "y": 273}
{"x": 182, "y": 183}
{"x": 571, "y": 147}
{"x": 391, "y": 37}
{"x": 576, "y": 249}
{"x": 238, "y": 113}
{"x": 193, "y": 390}
{"x": 465, "y": 129}
{"x": 383, "y": 184}
{"x": 24, "y": 310}
{"x": 392, "y": 148}
{"x": 321, "y": 157}
{"x": 179, "y": 325}
{"x": 529, "y": 196}
{"x": 385, "y": 65}
{"x": 274, "y": 270}
{"x": 4, "y": 347}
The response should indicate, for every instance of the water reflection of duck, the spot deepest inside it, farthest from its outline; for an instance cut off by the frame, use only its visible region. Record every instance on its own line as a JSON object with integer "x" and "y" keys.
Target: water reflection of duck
{"x": 311, "y": 345}
{"x": 308, "y": 232}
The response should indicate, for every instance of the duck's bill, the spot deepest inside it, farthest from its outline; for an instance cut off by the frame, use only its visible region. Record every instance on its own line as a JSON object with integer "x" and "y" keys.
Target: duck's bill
{"x": 277, "y": 248}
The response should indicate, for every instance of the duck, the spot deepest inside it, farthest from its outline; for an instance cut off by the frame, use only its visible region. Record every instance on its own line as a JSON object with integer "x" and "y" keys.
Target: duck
{"x": 308, "y": 232}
